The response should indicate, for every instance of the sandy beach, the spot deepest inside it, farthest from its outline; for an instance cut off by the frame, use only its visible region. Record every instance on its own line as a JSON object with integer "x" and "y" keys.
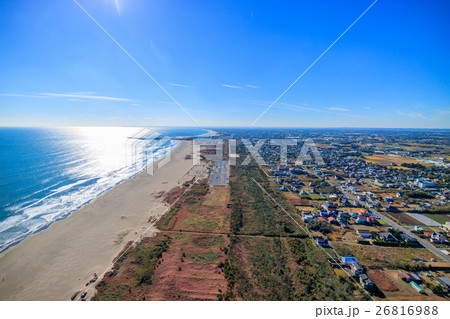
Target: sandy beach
{"x": 57, "y": 262}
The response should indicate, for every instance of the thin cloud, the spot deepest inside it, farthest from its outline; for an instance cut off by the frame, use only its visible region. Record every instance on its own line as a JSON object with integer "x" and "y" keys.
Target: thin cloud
{"x": 413, "y": 115}
{"x": 252, "y": 86}
{"x": 10, "y": 94}
{"x": 88, "y": 97}
{"x": 21, "y": 95}
{"x": 340, "y": 109}
{"x": 180, "y": 85}
{"x": 298, "y": 108}
{"x": 231, "y": 86}
{"x": 418, "y": 116}
{"x": 76, "y": 100}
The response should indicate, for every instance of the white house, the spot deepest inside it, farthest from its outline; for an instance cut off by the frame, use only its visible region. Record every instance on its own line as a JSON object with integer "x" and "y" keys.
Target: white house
{"x": 437, "y": 238}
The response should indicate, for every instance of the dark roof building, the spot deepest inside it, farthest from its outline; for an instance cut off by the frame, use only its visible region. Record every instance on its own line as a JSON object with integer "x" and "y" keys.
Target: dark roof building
{"x": 322, "y": 242}
{"x": 329, "y": 207}
{"x": 405, "y": 276}
{"x": 366, "y": 282}
{"x": 444, "y": 281}
{"x": 364, "y": 233}
{"x": 356, "y": 268}
{"x": 388, "y": 237}
{"x": 408, "y": 238}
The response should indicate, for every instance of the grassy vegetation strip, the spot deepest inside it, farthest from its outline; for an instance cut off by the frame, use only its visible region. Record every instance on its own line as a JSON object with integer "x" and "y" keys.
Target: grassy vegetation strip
{"x": 146, "y": 258}
{"x": 252, "y": 213}
{"x": 142, "y": 260}
{"x": 263, "y": 263}
{"x": 317, "y": 277}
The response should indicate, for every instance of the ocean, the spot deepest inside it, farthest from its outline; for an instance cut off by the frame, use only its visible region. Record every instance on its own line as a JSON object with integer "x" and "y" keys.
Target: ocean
{"x": 48, "y": 173}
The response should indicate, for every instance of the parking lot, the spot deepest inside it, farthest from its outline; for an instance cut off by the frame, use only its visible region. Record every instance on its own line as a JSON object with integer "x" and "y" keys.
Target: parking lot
{"x": 219, "y": 173}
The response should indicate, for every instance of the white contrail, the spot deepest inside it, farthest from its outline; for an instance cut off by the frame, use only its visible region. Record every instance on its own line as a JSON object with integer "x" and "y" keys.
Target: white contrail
{"x": 315, "y": 61}
{"x": 137, "y": 63}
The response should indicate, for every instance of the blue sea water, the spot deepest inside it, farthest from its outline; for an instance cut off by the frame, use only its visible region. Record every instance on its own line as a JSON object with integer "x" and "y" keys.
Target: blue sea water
{"x": 47, "y": 173}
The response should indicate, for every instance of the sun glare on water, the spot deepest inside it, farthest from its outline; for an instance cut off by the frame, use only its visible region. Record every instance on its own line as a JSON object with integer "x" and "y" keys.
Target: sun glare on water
{"x": 107, "y": 147}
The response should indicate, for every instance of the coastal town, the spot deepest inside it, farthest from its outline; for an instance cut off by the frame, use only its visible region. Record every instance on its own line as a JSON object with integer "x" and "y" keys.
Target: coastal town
{"x": 359, "y": 223}
{"x": 374, "y": 192}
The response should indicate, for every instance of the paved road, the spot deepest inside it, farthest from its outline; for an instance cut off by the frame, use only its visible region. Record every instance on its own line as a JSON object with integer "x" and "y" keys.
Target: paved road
{"x": 423, "y": 242}
{"x": 219, "y": 173}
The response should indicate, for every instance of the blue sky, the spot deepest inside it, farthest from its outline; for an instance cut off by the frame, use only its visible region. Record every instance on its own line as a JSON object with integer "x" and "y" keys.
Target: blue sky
{"x": 225, "y": 63}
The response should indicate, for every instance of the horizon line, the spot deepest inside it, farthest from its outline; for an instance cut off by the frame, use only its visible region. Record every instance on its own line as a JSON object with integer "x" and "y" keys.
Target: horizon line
{"x": 241, "y": 127}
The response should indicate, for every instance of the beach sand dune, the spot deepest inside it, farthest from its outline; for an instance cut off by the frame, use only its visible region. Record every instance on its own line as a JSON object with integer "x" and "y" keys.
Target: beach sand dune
{"x": 56, "y": 262}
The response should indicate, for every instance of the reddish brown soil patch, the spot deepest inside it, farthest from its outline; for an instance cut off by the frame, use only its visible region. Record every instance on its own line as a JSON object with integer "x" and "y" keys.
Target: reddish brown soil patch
{"x": 302, "y": 202}
{"x": 183, "y": 276}
{"x": 405, "y": 219}
{"x": 380, "y": 279}
{"x": 173, "y": 194}
{"x": 188, "y": 267}
{"x": 201, "y": 213}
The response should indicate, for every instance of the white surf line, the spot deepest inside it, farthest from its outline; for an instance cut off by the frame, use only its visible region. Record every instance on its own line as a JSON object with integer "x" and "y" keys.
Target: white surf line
{"x": 136, "y": 62}
{"x": 311, "y": 237}
{"x": 134, "y": 242}
{"x": 312, "y": 64}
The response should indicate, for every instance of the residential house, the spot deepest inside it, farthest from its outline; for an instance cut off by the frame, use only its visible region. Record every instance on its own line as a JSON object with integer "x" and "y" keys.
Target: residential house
{"x": 418, "y": 229}
{"x": 307, "y": 218}
{"x": 409, "y": 239}
{"x": 332, "y": 220}
{"x": 444, "y": 282}
{"x": 329, "y": 207}
{"x": 366, "y": 282}
{"x": 324, "y": 213}
{"x": 387, "y": 237}
{"x": 347, "y": 260}
{"x": 405, "y": 276}
{"x": 437, "y": 238}
{"x": 371, "y": 219}
{"x": 322, "y": 242}
{"x": 415, "y": 277}
{"x": 356, "y": 268}
{"x": 361, "y": 219}
{"x": 446, "y": 227}
{"x": 364, "y": 233}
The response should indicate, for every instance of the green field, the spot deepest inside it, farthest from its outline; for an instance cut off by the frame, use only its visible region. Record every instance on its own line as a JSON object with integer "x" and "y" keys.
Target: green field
{"x": 440, "y": 218}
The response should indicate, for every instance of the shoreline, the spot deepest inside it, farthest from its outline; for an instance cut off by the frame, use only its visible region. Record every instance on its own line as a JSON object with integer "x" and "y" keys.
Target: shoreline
{"x": 9, "y": 246}
{"x": 209, "y": 133}
{"x": 59, "y": 260}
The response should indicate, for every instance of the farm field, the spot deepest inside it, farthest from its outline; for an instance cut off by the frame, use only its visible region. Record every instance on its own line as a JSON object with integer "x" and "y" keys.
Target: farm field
{"x": 386, "y": 160}
{"x": 440, "y": 218}
{"x": 404, "y": 218}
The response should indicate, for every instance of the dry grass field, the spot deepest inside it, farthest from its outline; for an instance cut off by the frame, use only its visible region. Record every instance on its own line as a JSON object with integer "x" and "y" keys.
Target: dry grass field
{"x": 386, "y": 160}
